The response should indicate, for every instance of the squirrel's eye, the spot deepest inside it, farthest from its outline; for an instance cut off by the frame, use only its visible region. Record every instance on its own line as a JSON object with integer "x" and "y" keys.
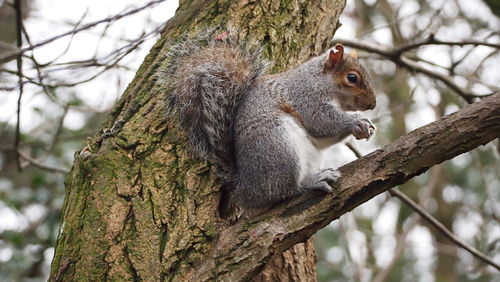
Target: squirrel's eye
{"x": 352, "y": 78}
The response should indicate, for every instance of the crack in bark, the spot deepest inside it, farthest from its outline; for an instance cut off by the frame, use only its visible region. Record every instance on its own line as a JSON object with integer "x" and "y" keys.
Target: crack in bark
{"x": 64, "y": 265}
{"x": 135, "y": 274}
{"x": 163, "y": 239}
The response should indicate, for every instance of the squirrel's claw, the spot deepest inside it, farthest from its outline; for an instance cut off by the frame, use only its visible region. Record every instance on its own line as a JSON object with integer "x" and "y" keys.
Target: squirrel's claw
{"x": 364, "y": 129}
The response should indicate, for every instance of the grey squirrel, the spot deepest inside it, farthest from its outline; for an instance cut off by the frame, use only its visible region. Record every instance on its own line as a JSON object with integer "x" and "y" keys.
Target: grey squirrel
{"x": 265, "y": 133}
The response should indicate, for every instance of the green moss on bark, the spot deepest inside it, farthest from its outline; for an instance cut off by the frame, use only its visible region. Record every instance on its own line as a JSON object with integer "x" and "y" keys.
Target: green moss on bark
{"x": 138, "y": 205}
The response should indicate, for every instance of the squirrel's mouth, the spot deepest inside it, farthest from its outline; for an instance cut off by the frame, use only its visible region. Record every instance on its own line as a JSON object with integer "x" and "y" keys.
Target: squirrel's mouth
{"x": 350, "y": 108}
{"x": 364, "y": 103}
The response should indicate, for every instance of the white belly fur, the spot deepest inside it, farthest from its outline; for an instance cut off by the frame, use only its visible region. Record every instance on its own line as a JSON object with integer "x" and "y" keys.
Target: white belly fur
{"x": 309, "y": 155}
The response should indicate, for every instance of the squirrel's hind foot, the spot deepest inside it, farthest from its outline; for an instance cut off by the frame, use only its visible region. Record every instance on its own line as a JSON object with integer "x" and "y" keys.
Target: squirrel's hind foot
{"x": 321, "y": 180}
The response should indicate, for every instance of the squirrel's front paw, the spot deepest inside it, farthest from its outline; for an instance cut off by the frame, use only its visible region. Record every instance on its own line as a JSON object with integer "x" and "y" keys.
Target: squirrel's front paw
{"x": 363, "y": 129}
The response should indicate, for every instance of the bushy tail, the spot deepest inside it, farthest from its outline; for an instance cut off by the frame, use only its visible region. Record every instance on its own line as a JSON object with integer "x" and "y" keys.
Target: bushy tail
{"x": 211, "y": 76}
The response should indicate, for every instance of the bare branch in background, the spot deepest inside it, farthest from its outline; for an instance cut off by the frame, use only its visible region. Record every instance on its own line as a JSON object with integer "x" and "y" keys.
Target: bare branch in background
{"x": 358, "y": 267}
{"x": 431, "y": 40}
{"x": 111, "y": 60}
{"x": 429, "y": 218}
{"x": 69, "y": 42}
{"x": 19, "y": 23}
{"x": 39, "y": 164}
{"x": 59, "y": 128}
{"x": 37, "y": 67}
{"x": 74, "y": 31}
{"x": 398, "y": 250}
{"x": 353, "y": 149}
{"x": 436, "y": 174}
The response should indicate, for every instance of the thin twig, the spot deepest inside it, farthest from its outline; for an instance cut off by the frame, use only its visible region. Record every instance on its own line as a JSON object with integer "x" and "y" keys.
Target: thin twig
{"x": 431, "y": 40}
{"x": 69, "y": 42}
{"x": 398, "y": 250}
{"x": 59, "y": 129}
{"x": 427, "y": 216}
{"x": 72, "y": 32}
{"x": 19, "y": 23}
{"x": 358, "y": 268}
{"x": 353, "y": 149}
{"x": 112, "y": 58}
{"x": 413, "y": 221}
{"x": 413, "y": 66}
{"x": 37, "y": 67}
{"x": 41, "y": 165}
{"x": 432, "y": 20}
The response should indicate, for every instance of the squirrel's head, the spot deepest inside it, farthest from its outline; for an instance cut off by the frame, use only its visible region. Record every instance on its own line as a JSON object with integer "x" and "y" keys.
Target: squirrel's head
{"x": 354, "y": 82}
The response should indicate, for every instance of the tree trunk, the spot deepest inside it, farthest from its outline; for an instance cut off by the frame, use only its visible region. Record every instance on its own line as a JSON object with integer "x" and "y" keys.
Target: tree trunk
{"x": 138, "y": 206}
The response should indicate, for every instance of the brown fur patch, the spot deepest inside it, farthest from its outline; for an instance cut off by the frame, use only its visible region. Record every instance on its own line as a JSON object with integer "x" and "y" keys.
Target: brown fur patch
{"x": 361, "y": 94}
{"x": 287, "y": 108}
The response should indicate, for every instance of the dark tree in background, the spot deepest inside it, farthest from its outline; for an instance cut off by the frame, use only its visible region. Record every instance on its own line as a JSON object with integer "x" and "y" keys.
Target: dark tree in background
{"x": 138, "y": 206}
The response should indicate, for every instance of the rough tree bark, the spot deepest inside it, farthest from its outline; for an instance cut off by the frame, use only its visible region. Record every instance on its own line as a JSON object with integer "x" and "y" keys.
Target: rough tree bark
{"x": 138, "y": 206}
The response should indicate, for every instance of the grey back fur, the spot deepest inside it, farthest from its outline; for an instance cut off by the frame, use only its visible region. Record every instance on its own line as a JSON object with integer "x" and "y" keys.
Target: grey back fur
{"x": 211, "y": 76}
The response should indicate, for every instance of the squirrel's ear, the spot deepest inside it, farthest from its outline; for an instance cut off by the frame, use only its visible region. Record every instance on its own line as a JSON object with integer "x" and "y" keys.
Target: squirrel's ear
{"x": 335, "y": 56}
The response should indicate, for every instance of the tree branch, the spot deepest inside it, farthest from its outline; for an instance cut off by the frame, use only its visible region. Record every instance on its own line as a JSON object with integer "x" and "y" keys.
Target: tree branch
{"x": 244, "y": 248}
{"x": 434, "y": 222}
{"x": 19, "y": 59}
{"x": 41, "y": 165}
{"x": 431, "y": 40}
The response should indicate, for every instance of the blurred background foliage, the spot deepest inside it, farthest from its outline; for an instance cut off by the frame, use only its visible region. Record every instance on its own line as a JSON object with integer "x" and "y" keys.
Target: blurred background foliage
{"x": 70, "y": 85}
